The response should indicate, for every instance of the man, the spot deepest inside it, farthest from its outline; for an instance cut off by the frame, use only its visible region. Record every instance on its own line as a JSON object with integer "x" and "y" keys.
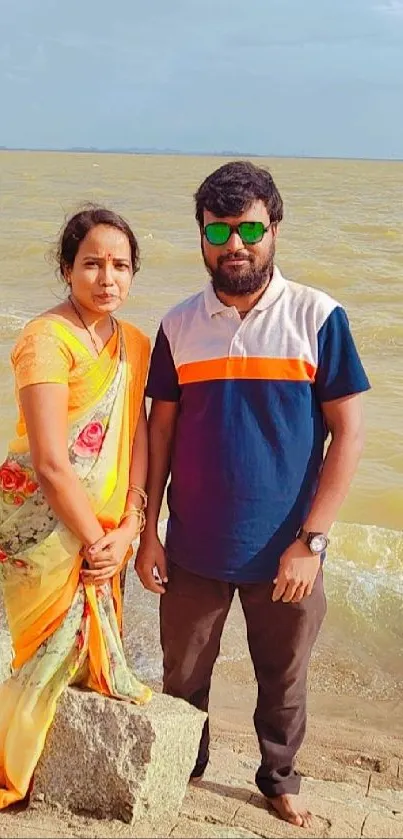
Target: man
{"x": 248, "y": 378}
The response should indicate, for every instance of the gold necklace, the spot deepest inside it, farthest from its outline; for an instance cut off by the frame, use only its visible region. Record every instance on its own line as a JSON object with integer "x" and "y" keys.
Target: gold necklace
{"x": 81, "y": 319}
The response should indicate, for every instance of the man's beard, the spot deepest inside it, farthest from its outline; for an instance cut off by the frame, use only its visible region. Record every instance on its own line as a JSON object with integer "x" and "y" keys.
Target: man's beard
{"x": 246, "y": 280}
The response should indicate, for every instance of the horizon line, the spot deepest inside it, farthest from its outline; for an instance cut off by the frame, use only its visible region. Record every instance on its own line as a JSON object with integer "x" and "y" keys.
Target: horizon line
{"x": 168, "y": 152}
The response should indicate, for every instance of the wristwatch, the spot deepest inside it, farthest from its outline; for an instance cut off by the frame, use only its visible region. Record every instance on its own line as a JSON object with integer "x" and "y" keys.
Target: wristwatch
{"x": 316, "y": 542}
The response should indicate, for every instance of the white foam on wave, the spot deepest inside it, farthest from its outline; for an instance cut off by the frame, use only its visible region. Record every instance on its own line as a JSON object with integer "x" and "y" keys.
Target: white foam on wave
{"x": 366, "y": 551}
{"x": 14, "y": 320}
{"x": 364, "y": 570}
{"x": 364, "y": 575}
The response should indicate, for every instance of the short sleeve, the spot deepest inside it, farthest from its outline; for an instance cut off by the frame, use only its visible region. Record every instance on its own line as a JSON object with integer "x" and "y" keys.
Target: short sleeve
{"x": 138, "y": 349}
{"x": 145, "y": 360}
{"x": 40, "y": 356}
{"x": 163, "y": 381}
{"x": 340, "y": 372}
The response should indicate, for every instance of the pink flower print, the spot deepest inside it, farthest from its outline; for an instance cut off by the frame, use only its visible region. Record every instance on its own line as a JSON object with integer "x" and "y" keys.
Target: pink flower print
{"x": 90, "y": 439}
{"x": 16, "y": 483}
{"x": 31, "y": 486}
{"x": 3, "y": 557}
{"x": 12, "y": 477}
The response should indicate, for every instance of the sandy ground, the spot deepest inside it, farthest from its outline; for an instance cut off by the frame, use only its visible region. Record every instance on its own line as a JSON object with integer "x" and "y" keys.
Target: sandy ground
{"x": 351, "y": 761}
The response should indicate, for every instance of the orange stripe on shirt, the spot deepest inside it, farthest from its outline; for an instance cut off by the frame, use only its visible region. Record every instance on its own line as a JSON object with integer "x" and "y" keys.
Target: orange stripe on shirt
{"x": 269, "y": 369}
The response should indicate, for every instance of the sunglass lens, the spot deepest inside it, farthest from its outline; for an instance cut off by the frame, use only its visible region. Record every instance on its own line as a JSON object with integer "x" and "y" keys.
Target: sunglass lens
{"x": 217, "y": 233}
{"x": 251, "y": 232}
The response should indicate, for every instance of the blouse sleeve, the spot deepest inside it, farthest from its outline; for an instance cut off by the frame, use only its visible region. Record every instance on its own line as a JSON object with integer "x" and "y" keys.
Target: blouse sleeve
{"x": 145, "y": 360}
{"x": 41, "y": 356}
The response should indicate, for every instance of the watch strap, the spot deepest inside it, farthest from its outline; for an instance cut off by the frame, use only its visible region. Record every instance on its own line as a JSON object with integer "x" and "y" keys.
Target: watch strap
{"x": 303, "y": 535}
{"x": 306, "y": 537}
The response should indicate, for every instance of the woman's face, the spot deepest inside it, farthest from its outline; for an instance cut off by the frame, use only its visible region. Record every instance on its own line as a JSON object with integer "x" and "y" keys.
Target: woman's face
{"x": 102, "y": 273}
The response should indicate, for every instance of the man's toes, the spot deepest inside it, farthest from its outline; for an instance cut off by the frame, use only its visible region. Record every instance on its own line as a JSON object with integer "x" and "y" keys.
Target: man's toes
{"x": 286, "y": 809}
{"x": 295, "y": 818}
{"x": 307, "y": 819}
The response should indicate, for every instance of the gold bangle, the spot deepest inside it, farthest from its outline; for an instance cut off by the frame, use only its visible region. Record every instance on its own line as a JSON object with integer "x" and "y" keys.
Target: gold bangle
{"x": 141, "y": 492}
{"x": 134, "y": 511}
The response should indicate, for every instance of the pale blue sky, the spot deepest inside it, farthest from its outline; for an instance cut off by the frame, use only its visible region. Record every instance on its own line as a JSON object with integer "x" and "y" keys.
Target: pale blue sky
{"x": 273, "y": 77}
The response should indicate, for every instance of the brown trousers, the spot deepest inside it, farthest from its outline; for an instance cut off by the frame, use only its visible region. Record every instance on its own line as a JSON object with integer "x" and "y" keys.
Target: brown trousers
{"x": 281, "y": 635}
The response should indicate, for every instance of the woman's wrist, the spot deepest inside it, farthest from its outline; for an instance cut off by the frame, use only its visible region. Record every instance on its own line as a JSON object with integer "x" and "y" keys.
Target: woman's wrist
{"x": 132, "y": 523}
{"x": 94, "y": 535}
{"x": 137, "y": 497}
{"x": 133, "y": 519}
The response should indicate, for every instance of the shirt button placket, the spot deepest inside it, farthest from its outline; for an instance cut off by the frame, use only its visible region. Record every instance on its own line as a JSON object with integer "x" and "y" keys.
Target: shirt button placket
{"x": 236, "y": 348}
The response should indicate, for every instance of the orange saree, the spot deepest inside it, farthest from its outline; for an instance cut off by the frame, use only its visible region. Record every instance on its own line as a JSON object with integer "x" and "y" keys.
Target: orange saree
{"x": 63, "y": 631}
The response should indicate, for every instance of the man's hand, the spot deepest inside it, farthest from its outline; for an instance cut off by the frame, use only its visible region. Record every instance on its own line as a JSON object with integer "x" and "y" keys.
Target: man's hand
{"x": 106, "y": 556}
{"x": 297, "y": 573}
{"x": 151, "y": 564}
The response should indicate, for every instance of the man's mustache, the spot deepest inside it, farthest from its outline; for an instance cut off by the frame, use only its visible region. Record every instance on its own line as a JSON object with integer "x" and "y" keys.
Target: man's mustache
{"x": 234, "y": 257}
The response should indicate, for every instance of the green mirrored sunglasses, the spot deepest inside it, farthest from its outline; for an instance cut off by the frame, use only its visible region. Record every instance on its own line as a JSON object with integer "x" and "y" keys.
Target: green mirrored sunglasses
{"x": 219, "y": 232}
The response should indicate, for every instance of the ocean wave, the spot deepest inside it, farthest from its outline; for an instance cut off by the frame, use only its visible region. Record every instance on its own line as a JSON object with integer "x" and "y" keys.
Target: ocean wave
{"x": 361, "y": 544}
{"x": 364, "y": 587}
{"x": 364, "y": 580}
{"x": 368, "y": 547}
{"x": 12, "y": 321}
{"x": 364, "y": 567}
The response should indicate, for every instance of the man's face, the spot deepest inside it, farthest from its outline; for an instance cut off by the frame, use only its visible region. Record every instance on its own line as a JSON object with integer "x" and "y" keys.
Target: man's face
{"x": 237, "y": 268}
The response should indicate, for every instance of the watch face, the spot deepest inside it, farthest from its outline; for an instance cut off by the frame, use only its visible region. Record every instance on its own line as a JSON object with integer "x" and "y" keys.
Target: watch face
{"x": 318, "y": 543}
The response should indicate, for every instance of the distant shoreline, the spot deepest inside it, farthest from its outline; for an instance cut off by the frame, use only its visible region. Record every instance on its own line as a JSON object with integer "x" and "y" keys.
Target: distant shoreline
{"x": 178, "y": 153}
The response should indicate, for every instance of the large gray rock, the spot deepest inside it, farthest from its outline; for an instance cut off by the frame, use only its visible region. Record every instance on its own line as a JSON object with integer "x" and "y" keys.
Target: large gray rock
{"x": 114, "y": 760}
{"x": 5, "y": 644}
{"x": 5, "y": 656}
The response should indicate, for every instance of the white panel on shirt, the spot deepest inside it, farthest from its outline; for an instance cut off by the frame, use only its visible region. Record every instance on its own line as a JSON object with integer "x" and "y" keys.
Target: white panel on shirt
{"x": 287, "y": 328}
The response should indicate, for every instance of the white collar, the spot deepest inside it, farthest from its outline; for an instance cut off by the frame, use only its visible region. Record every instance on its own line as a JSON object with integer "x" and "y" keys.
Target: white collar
{"x": 270, "y": 295}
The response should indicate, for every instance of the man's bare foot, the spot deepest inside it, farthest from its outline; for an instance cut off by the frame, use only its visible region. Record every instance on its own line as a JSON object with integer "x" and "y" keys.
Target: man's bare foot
{"x": 196, "y": 780}
{"x": 287, "y": 808}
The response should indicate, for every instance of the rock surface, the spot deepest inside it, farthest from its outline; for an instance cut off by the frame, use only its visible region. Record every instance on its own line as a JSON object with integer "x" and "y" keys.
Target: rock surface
{"x": 5, "y": 655}
{"x": 115, "y": 760}
{"x": 351, "y": 760}
{"x": 5, "y": 644}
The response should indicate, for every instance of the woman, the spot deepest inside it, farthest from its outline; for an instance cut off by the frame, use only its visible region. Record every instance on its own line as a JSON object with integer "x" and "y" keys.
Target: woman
{"x": 72, "y": 492}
